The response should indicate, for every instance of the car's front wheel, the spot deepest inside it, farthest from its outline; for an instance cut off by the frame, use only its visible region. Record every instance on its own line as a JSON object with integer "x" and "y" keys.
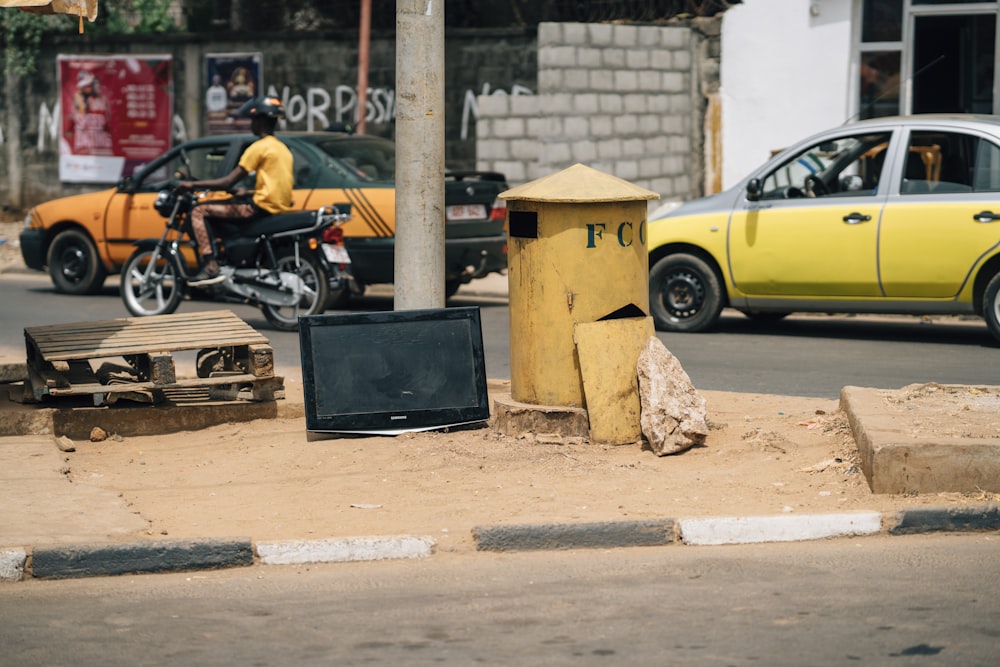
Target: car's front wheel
{"x": 685, "y": 294}
{"x": 991, "y": 306}
{"x": 74, "y": 264}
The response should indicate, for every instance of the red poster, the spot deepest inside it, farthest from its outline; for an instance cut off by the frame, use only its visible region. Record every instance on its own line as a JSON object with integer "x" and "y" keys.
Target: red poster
{"x": 116, "y": 115}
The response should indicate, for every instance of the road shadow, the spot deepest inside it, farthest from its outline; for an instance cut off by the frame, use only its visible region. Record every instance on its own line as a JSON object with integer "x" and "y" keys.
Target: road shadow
{"x": 940, "y": 331}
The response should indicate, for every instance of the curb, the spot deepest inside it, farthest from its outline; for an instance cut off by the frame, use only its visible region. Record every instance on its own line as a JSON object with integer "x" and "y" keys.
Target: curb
{"x": 782, "y": 528}
{"x": 654, "y": 532}
{"x": 149, "y": 557}
{"x": 345, "y": 550}
{"x": 951, "y": 519}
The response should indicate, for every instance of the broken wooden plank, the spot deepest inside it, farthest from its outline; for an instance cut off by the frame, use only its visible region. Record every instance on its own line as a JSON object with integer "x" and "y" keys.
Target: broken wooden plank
{"x": 83, "y": 389}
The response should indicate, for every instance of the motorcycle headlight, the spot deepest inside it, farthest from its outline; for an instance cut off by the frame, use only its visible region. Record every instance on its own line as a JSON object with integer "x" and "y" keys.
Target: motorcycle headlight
{"x": 164, "y": 204}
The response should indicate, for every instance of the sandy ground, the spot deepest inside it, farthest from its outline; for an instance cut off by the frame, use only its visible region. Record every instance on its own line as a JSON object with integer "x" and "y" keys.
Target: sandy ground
{"x": 765, "y": 454}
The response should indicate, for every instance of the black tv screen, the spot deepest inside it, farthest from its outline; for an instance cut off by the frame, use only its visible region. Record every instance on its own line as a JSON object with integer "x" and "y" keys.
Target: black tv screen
{"x": 391, "y": 372}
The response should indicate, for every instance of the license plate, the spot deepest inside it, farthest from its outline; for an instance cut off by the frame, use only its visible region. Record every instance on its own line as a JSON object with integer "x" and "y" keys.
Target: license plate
{"x": 466, "y": 212}
{"x": 336, "y": 254}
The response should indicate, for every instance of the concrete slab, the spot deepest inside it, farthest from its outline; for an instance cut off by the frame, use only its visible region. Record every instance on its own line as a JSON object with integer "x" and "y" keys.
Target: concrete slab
{"x": 910, "y": 448}
{"x": 516, "y": 418}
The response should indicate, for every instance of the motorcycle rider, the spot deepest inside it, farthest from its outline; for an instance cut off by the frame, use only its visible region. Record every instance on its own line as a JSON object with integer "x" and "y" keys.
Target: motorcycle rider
{"x": 272, "y": 161}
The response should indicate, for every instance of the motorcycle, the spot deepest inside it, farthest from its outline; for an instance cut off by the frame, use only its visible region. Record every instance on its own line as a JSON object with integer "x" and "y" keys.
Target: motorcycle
{"x": 273, "y": 262}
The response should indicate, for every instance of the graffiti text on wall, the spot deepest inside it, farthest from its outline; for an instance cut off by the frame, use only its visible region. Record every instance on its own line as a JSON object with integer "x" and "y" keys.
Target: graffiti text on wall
{"x": 317, "y": 109}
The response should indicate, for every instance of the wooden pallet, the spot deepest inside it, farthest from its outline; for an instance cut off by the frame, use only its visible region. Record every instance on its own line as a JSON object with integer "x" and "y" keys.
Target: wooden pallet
{"x": 234, "y": 361}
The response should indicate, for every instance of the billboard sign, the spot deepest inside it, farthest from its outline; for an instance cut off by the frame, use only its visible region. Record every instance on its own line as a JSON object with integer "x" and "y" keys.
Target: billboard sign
{"x": 116, "y": 114}
{"x": 230, "y": 80}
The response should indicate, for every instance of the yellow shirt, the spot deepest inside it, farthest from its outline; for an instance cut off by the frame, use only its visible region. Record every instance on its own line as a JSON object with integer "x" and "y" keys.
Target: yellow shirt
{"x": 273, "y": 162}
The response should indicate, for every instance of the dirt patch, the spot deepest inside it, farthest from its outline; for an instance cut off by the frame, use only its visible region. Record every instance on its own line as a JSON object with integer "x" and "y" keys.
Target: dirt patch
{"x": 266, "y": 480}
{"x": 951, "y": 411}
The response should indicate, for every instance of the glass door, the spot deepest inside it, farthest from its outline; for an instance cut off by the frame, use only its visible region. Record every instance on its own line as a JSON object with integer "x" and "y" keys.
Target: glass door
{"x": 953, "y": 63}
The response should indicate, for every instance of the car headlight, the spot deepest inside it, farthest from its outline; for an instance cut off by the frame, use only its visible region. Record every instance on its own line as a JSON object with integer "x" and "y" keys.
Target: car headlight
{"x": 29, "y": 220}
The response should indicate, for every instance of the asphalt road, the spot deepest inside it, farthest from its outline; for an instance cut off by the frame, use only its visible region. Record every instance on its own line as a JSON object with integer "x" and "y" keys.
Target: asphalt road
{"x": 919, "y": 600}
{"x": 801, "y": 355}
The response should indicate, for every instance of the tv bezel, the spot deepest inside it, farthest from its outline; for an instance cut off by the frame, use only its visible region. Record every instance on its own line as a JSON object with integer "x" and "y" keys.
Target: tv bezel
{"x": 392, "y": 422}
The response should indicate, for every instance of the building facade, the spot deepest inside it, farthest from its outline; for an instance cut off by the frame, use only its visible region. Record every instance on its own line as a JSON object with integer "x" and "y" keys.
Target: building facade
{"x": 790, "y": 68}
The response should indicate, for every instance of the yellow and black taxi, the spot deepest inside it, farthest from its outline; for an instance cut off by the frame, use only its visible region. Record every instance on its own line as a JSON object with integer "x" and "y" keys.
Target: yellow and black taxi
{"x": 893, "y": 215}
{"x": 80, "y": 239}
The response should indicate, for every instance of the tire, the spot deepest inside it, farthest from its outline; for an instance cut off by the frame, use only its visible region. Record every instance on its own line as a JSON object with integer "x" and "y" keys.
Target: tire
{"x": 991, "y": 306}
{"x": 74, "y": 265}
{"x": 151, "y": 284}
{"x": 314, "y": 296}
{"x": 685, "y": 294}
{"x": 337, "y": 298}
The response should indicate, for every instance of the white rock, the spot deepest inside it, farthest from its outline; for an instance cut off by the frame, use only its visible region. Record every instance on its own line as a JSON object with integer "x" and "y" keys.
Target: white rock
{"x": 672, "y": 411}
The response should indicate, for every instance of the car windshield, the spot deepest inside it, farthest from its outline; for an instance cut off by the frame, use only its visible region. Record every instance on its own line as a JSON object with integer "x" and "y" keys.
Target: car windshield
{"x": 198, "y": 162}
{"x": 369, "y": 158}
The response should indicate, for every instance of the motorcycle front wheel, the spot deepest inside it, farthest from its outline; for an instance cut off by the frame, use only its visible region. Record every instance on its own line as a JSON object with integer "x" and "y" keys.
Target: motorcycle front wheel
{"x": 151, "y": 283}
{"x": 309, "y": 282}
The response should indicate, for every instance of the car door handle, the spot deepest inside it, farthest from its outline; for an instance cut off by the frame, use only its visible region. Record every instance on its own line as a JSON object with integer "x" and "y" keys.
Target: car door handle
{"x": 986, "y": 216}
{"x": 855, "y": 218}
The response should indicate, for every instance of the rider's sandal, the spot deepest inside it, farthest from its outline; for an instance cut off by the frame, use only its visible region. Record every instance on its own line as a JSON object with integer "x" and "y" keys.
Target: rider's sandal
{"x": 209, "y": 275}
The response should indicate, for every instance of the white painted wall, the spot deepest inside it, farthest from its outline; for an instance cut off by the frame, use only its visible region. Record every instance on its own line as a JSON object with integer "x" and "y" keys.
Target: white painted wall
{"x": 784, "y": 74}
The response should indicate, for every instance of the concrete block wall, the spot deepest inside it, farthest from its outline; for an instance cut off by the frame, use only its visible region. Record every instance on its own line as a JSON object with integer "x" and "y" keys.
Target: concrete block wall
{"x": 623, "y": 99}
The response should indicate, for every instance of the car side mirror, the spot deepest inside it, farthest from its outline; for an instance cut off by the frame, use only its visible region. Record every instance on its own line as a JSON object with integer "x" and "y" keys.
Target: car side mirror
{"x": 755, "y": 189}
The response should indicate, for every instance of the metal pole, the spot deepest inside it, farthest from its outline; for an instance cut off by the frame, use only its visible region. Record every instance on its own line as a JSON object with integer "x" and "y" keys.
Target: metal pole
{"x": 364, "y": 40}
{"x": 420, "y": 217}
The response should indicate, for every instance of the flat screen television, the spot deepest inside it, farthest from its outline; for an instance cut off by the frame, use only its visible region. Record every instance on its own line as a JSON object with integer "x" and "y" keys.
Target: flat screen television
{"x": 392, "y": 372}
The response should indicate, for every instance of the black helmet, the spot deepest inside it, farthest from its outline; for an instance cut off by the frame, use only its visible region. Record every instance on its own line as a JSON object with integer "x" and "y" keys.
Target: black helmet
{"x": 271, "y": 107}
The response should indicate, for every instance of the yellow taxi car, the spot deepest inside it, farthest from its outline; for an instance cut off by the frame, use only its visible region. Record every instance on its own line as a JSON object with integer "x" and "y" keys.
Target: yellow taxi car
{"x": 80, "y": 239}
{"x": 891, "y": 215}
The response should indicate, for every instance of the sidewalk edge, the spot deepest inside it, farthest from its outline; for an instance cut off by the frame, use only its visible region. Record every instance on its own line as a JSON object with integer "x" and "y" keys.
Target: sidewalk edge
{"x": 148, "y": 557}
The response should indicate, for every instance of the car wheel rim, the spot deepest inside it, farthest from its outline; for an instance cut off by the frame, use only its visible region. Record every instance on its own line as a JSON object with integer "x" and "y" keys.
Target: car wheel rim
{"x": 683, "y": 294}
{"x": 74, "y": 264}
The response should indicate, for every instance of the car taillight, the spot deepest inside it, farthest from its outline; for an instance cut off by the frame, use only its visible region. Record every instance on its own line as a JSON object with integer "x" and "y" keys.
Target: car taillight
{"x": 334, "y": 234}
{"x": 499, "y": 210}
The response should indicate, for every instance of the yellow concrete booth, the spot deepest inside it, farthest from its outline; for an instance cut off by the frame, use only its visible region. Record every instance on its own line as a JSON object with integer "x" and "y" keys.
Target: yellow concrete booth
{"x": 578, "y": 276}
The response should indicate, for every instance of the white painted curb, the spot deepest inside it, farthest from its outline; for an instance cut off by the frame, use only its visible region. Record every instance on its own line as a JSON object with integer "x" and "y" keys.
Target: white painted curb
{"x": 784, "y": 528}
{"x": 12, "y": 564}
{"x": 343, "y": 550}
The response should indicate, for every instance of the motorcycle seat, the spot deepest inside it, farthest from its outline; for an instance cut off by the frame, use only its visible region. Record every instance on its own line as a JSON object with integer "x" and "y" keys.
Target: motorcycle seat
{"x": 266, "y": 226}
